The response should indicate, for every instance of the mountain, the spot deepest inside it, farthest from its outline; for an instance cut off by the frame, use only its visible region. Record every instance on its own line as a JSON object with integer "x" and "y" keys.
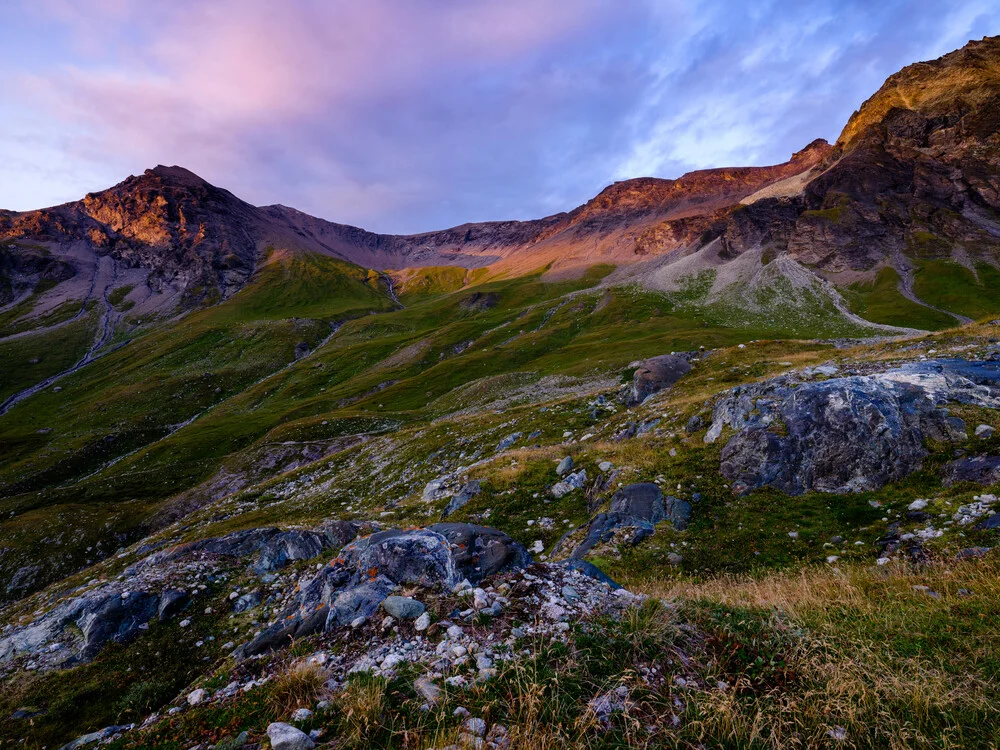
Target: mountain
{"x": 202, "y": 243}
{"x": 264, "y": 475}
{"x": 910, "y": 185}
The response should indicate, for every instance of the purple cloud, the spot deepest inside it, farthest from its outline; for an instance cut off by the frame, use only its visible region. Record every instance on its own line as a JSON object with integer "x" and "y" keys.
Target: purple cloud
{"x": 410, "y": 115}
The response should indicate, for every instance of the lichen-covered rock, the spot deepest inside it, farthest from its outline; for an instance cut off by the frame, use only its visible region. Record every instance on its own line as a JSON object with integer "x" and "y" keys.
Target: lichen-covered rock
{"x": 416, "y": 557}
{"x": 847, "y": 434}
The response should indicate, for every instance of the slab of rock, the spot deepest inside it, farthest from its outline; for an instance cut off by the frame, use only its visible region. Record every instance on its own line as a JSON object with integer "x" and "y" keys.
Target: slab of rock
{"x": 978, "y": 469}
{"x": 247, "y": 602}
{"x": 114, "y": 618}
{"x": 655, "y": 374}
{"x": 508, "y": 441}
{"x": 635, "y": 509}
{"x": 461, "y": 498}
{"x": 416, "y": 557}
{"x": 643, "y": 501}
{"x": 481, "y": 551}
{"x": 172, "y": 601}
{"x": 574, "y": 481}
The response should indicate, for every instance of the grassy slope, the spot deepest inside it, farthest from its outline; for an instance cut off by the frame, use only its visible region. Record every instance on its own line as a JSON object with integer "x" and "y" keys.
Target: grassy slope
{"x": 591, "y": 336}
{"x": 817, "y": 645}
{"x": 953, "y": 287}
{"x": 31, "y": 359}
{"x": 137, "y": 395}
{"x": 880, "y": 301}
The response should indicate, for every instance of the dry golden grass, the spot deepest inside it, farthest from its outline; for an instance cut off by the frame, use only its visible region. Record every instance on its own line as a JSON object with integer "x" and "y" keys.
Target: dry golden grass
{"x": 854, "y": 621}
{"x": 299, "y": 687}
{"x": 361, "y": 709}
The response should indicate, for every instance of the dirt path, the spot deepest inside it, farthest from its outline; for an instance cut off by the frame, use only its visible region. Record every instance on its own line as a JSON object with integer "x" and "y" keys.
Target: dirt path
{"x": 105, "y": 329}
{"x": 905, "y": 270}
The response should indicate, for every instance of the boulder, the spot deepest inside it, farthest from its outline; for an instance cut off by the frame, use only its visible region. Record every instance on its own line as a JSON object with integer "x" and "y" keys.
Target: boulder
{"x": 508, "y": 441}
{"x": 643, "y": 501}
{"x": 978, "y": 469}
{"x": 246, "y": 602}
{"x": 172, "y": 601}
{"x": 655, "y": 374}
{"x": 418, "y": 557}
{"x": 286, "y": 737}
{"x": 403, "y": 607}
{"x": 848, "y": 434}
{"x": 338, "y": 533}
{"x": 468, "y": 491}
{"x": 565, "y": 466}
{"x": 574, "y": 481}
{"x": 114, "y": 618}
{"x": 481, "y": 551}
{"x": 679, "y": 512}
{"x": 635, "y": 508}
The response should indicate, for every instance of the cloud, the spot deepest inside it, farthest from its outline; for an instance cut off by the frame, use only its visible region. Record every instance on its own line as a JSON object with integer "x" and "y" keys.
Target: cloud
{"x": 409, "y": 115}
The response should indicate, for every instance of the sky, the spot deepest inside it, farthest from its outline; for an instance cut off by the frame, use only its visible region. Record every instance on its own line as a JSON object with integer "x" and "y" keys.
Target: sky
{"x": 413, "y": 115}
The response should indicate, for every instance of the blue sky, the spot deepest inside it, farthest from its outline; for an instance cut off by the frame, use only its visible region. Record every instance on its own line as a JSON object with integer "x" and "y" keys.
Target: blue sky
{"x": 412, "y": 115}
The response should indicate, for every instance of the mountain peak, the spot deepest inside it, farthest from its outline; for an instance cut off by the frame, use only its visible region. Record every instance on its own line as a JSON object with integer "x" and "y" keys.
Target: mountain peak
{"x": 176, "y": 174}
{"x": 963, "y": 85}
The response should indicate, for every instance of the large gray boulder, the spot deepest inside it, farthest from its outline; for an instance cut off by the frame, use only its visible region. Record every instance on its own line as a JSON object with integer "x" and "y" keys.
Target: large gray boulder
{"x": 418, "y": 557}
{"x": 848, "y": 434}
{"x": 99, "y": 616}
{"x": 655, "y": 374}
{"x": 481, "y": 551}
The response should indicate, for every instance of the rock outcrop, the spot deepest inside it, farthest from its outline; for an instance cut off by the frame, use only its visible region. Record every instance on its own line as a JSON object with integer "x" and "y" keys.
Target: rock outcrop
{"x": 368, "y": 570}
{"x": 655, "y": 374}
{"x": 632, "y": 517}
{"x": 846, "y": 434}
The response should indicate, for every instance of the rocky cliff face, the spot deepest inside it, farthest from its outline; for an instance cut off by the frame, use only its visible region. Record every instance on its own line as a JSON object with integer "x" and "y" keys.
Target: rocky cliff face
{"x": 168, "y": 220}
{"x": 915, "y": 174}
